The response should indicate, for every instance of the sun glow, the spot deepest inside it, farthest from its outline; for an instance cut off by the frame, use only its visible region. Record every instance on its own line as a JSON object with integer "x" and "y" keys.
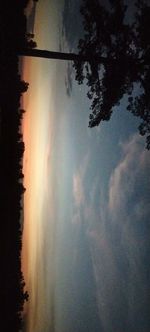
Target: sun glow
{"x": 38, "y": 138}
{"x": 38, "y": 168}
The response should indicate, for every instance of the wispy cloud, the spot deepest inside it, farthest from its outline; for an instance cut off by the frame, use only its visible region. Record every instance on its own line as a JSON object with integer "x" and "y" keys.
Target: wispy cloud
{"x": 78, "y": 190}
{"x": 118, "y": 237}
{"x": 120, "y": 243}
{"x": 123, "y": 181}
{"x": 78, "y": 186}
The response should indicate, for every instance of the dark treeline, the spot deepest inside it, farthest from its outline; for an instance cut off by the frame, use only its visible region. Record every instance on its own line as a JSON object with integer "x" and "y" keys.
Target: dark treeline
{"x": 12, "y": 286}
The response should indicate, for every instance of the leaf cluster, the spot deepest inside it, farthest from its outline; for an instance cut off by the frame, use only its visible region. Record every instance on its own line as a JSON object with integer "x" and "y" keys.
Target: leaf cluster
{"x": 126, "y": 50}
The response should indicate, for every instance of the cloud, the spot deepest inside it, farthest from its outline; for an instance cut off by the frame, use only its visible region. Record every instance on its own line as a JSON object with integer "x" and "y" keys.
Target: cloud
{"x": 78, "y": 178}
{"x": 69, "y": 79}
{"x": 120, "y": 243}
{"x": 132, "y": 168}
{"x": 118, "y": 232}
{"x": 78, "y": 190}
{"x": 76, "y": 219}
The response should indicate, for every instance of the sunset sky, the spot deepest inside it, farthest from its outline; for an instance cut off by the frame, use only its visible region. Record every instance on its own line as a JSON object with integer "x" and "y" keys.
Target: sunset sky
{"x": 86, "y": 232}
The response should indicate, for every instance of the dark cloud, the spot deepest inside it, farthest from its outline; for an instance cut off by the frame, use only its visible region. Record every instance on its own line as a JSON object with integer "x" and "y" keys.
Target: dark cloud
{"x": 72, "y": 24}
{"x": 71, "y": 32}
{"x": 68, "y": 79}
{"x": 31, "y": 12}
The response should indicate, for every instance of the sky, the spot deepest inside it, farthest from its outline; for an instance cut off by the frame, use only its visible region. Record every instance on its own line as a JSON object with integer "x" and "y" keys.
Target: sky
{"x": 86, "y": 233}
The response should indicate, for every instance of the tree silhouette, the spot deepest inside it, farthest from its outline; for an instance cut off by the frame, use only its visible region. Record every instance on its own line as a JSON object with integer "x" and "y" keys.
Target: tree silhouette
{"x": 127, "y": 49}
{"x": 113, "y": 59}
{"x": 13, "y": 292}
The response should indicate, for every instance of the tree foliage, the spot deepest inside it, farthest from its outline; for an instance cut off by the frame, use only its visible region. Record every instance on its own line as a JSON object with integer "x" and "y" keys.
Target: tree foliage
{"x": 126, "y": 49}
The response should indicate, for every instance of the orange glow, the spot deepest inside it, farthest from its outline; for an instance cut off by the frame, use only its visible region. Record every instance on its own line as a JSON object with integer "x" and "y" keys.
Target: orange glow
{"x": 38, "y": 135}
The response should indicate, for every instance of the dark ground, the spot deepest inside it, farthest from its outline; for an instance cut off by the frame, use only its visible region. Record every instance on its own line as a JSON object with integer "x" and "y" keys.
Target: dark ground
{"x": 12, "y": 293}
